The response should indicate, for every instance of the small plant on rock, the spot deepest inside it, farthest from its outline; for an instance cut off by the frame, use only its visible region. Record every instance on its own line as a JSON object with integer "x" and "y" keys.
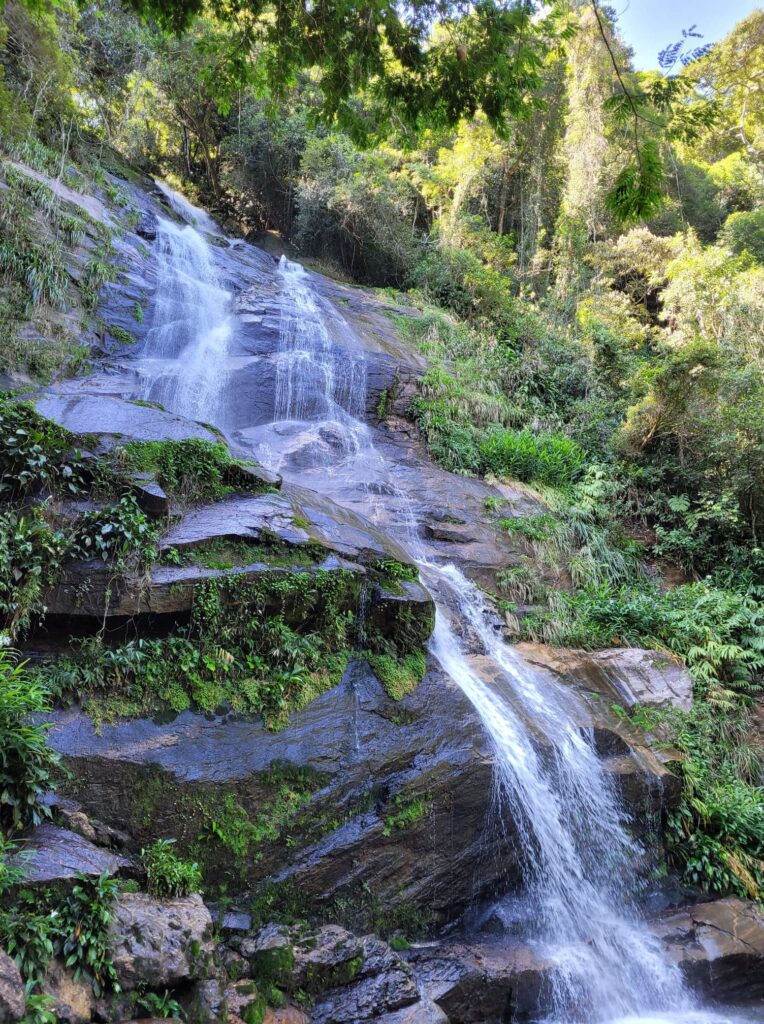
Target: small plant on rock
{"x": 167, "y": 874}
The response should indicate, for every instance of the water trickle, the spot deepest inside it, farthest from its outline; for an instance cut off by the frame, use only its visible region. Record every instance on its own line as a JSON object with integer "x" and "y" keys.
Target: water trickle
{"x": 318, "y": 380}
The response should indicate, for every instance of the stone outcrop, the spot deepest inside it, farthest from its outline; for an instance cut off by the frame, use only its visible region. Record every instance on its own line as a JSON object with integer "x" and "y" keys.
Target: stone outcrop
{"x": 12, "y": 1001}
{"x": 635, "y": 675}
{"x": 719, "y": 947}
{"x": 51, "y": 854}
{"x": 73, "y": 1000}
{"x": 370, "y": 757}
{"x": 348, "y": 979}
{"x": 159, "y": 944}
{"x": 483, "y": 982}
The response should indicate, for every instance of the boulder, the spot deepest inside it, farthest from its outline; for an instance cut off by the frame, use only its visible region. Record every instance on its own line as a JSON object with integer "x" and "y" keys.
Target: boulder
{"x": 482, "y": 982}
{"x": 635, "y": 675}
{"x": 149, "y": 495}
{"x": 159, "y": 943}
{"x": 12, "y": 1001}
{"x": 350, "y": 979}
{"x": 719, "y": 947}
{"x": 73, "y": 1001}
{"x": 51, "y": 854}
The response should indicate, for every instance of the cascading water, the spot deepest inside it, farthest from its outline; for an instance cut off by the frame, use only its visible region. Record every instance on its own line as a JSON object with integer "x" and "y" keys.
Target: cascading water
{"x": 191, "y": 326}
{"x": 579, "y": 856}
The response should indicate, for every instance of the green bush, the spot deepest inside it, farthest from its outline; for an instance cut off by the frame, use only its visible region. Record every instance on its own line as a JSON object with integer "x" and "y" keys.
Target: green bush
{"x": 27, "y": 761}
{"x": 31, "y": 552}
{"x": 36, "y": 453}
{"x": 167, "y": 874}
{"x": 43, "y": 923}
{"x": 547, "y": 458}
{"x": 116, "y": 532}
{"x": 744, "y": 232}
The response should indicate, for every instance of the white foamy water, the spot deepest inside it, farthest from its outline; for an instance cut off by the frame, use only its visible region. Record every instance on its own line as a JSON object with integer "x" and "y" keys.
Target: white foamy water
{"x": 191, "y": 326}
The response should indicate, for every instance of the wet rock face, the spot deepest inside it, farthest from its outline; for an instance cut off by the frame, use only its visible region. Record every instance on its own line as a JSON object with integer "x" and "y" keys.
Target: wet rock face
{"x": 159, "y": 943}
{"x": 394, "y": 827}
{"x": 719, "y": 947}
{"x": 12, "y": 1001}
{"x": 373, "y": 760}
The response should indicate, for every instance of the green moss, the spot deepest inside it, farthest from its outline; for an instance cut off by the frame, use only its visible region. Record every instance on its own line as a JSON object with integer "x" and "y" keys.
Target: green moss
{"x": 399, "y": 675}
{"x": 409, "y": 810}
{"x": 273, "y": 966}
{"x": 229, "y": 554}
{"x": 191, "y": 469}
{"x": 254, "y": 1012}
{"x": 301, "y": 522}
{"x": 121, "y": 335}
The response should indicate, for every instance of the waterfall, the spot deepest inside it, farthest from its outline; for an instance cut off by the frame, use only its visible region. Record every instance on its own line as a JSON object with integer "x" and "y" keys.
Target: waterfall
{"x": 577, "y": 851}
{"x": 579, "y": 857}
{"x": 317, "y": 380}
{"x": 191, "y": 324}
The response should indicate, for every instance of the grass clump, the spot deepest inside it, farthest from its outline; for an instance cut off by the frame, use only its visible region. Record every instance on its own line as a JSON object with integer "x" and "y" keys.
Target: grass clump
{"x": 192, "y": 470}
{"x": 409, "y": 810}
{"x": 398, "y": 674}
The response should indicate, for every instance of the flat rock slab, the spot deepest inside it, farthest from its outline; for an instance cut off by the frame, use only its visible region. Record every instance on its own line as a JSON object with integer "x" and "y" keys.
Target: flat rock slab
{"x": 237, "y": 518}
{"x": 54, "y": 854}
{"x": 638, "y": 676}
{"x": 117, "y": 417}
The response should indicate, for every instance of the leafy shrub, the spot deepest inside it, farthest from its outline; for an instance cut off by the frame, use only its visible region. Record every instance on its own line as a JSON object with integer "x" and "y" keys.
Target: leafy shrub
{"x": 116, "y": 532}
{"x": 547, "y": 458}
{"x": 167, "y": 874}
{"x": 27, "y": 761}
{"x": 35, "y": 453}
{"x": 43, "y": 923}
{"x": 30, "y": 555}
{"x": 744, "y": 232}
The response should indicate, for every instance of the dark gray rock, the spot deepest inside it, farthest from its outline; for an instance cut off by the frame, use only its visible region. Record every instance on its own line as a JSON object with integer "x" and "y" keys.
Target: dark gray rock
{"x": 147, "y": 226}
{"x": 149, "y": 495}
{"x": 483, "y": 983}
{"x": 159, "y": 943}
{"x": 50, "y": 854}
{"x": 12, "y": 1001}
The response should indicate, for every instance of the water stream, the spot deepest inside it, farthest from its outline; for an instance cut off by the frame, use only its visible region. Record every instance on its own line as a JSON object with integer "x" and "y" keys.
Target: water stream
{"x": 579, "y": 856}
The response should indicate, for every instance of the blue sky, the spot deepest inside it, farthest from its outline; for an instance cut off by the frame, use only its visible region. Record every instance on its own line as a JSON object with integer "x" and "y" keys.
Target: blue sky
{"x": 649, "y": 25}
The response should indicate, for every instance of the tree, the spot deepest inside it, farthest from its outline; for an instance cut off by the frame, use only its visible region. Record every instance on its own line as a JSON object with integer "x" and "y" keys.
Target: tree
{"x": 485, "y": 56}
